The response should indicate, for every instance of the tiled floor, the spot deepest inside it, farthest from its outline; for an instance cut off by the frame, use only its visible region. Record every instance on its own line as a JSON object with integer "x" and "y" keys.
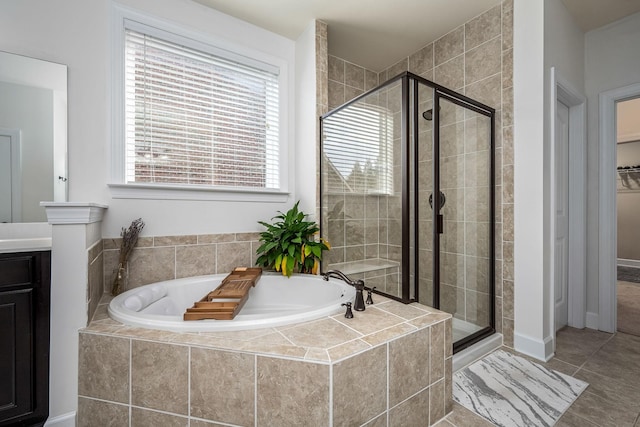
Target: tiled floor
{"x": 610, "y": 363}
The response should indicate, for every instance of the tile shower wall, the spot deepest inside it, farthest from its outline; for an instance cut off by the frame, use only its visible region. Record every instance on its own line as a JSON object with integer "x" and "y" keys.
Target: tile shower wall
{"x": 172, "y": 257}
{"x": 475, "y": 59}
{"x": 95, "y": 262}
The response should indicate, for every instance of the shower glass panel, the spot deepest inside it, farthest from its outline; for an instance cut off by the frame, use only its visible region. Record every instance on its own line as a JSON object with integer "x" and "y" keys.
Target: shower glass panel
{"x": 361, "y": 189}
{"x": 407, "y": 198}
{"x": 465, "y": 257}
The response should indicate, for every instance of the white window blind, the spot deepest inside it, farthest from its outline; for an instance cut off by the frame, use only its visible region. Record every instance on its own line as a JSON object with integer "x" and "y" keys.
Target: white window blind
{"x": 358, "y": 145}
{"x": 198, "y": 119}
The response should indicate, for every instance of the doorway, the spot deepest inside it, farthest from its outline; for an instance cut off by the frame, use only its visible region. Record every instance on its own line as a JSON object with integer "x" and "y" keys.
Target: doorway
{"x": 567, "y": 258}
{"x": 607, "y": 211}
{"x": 10, "y": 176}
{"x": 628, "y": 223}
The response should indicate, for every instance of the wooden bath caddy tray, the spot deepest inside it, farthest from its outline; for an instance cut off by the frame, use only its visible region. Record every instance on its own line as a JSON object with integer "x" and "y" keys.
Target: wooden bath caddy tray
{"x": 226, "y": 300}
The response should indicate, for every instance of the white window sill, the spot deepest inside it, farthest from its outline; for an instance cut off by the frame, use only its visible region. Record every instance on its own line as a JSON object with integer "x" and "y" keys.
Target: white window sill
{"x": 181, "y": 192}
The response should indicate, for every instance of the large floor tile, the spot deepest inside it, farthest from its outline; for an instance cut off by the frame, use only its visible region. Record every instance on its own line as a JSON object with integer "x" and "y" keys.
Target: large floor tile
{"x": 604, "y": 412}
{"x": 619, "y": 359}
{"x": 574, "y": 346}
{"x": 462, "y": 417}
{"x": 607, "y": 387}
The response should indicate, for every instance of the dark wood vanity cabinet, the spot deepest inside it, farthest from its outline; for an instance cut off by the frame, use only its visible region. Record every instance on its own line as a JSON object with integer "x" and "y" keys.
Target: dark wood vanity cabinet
{"x": 25, "y": 289}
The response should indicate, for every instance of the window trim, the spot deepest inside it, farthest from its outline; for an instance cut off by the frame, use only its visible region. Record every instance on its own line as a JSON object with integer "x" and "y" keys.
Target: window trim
{"x": 122, "y": 18}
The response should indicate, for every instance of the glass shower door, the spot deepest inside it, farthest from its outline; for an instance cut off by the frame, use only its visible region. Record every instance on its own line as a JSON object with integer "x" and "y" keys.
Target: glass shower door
{"x": 462, "y": 205}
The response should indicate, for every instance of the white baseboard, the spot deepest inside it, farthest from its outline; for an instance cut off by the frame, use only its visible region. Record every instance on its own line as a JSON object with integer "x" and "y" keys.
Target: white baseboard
{"x": 64, "y": 420}
{"x": 592, "y": 321}
{"x": 538, "y": 349}
{"x": 628, "y": 263}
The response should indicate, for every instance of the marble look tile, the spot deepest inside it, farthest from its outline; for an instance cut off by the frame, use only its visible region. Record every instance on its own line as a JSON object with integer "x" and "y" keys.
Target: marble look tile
{"x": 285, "y": 400}
{"x": 507, "y": 332}
{"x": 448, "y": 385}
{"x": 370, "y": 79}
{"x": 380, "y": 421}
{"x": 388, "y": 334}
{"x": 159, "y": 376}
{"x": 462, "y": 417}
{"x": 336, "y": 94}
{"x": 437, "y": 350}
{"x": 369, "y": 321}
{"x": 507, "y": 26}
{"x": 604, "y": 412}
{"x": 406, "y": 311}
{"x": 104, "y": 367}
{"x": 618, "y": 358}
{"x": 248, "y": 237}
{"x": 144, "y": 418}
{"x": 351, "y": 93}
{"x": 576, "y": 345}
{"x": 430, "y": 319}
{"x": 408, "y": 365}
{"x": 336, "y": 69}
{"x": 149, "y": 265}
{"x": 317, "y": 354}
{"x": 175, "y": 240}
{"x": 572, "y": 418}
{"x": 451, "y": 73}
{"x": 437, "y": 401}
{"x": 412, "y": 412}
{"x": 348, "y": 349}
{"x": 322, "y": 333}
{"x": 507, "y": 106}
{"x": 483, "y": 27}
{"x": 222, "y": 386}
{"x": 487, "y": 91}
{"x": 449, "y": 46}
{"x": 606, "y": 387}
{"x": 348, "y": 382}
{"x": 201, "y": 423}
{"x": 422, "y": 60}
{"x": 483, "y": 61}
{"x": 397, "y": 68}
{"x": 216, "y": 238}
{"x": 353, "y": 75}
{"x": 98, "y": 413}
{"x": 195, "y": 260}
{"x": 507, "y": 68}
{"x": 507, "y": 304}
{"x": 95, "y": 250}
{"x": 232, "y": 255}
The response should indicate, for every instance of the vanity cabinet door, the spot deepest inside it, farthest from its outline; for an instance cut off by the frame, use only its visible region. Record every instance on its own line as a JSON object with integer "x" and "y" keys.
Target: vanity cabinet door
{"x": 16, "y": 347}
{"x": 24, "y": 338}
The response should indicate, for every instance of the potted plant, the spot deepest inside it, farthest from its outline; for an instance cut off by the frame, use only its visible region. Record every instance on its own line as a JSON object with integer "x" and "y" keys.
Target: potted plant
{"x": 289, "y": 244}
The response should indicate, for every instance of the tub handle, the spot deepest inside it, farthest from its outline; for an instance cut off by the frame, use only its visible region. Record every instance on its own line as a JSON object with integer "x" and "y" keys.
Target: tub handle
{"x": 349, "y": 313}
{"x": 369, "y": 299}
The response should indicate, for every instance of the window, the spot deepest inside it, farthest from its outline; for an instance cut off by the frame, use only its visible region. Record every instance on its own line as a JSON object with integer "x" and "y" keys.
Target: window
{"x": 358, "y": 144}
{"x": 195, "y": 116}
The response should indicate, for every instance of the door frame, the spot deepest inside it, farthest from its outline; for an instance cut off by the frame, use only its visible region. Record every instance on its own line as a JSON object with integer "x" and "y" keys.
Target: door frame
{"x": 564, "y": 92}
{"x": 607, "y": 208}
{"x": 16, "y": 172}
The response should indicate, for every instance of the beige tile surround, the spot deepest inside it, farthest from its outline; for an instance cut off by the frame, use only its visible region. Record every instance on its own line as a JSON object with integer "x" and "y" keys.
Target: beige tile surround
{"x": 391, "y": 363}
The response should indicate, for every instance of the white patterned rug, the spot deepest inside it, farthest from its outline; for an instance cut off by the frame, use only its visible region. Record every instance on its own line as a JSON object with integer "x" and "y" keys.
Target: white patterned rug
{"x": 510, "y": 391}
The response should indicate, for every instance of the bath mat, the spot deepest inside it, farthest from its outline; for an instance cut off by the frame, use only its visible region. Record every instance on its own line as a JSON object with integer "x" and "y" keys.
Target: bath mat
{"x": 629, "y": 274}
{"x": 629, "y": 308}
{"x": 510, "y": 391}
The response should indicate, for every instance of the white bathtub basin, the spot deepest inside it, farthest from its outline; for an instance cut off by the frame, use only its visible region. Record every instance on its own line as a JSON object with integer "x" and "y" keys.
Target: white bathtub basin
{"x": 274, "y": 301}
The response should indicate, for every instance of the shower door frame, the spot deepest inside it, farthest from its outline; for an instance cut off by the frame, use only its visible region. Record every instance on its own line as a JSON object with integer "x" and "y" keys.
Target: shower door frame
{"x": 411, "y": 123}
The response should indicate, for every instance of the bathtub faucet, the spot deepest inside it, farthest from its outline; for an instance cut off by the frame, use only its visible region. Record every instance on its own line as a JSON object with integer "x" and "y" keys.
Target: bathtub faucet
{"x": 358, "y": 305}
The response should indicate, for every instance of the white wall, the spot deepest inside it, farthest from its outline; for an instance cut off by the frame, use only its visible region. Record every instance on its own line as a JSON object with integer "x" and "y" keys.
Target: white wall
{"x": 545, "y": 36}
{"x": 76, "y": 33}
{"x": 528, "y": 111}
{"x": 306, "y": 120}
{"x": 612, "y": 60}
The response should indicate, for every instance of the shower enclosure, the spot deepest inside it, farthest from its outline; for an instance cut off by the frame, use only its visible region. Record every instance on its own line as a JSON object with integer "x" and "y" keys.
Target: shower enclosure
{"x": 407, "y": 198}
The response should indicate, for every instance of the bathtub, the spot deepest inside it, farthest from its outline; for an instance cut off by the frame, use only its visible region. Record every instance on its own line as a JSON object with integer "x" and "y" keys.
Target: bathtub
{"x": 274, "y": 301}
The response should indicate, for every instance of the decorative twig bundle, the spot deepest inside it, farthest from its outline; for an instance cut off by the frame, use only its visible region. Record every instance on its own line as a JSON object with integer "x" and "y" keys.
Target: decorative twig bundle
{"x": 129, "y": 240}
